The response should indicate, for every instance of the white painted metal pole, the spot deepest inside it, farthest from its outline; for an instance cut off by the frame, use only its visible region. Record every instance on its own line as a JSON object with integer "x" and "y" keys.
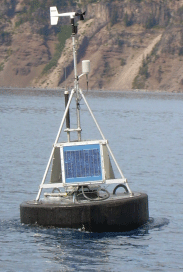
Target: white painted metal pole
{"x": 75, "y": 59}
{"x": 76, "y": 86}
{"x": 56, "y": 140}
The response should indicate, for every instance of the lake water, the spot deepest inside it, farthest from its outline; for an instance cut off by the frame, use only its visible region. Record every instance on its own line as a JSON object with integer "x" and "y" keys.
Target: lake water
{"x": 145, "y": 132}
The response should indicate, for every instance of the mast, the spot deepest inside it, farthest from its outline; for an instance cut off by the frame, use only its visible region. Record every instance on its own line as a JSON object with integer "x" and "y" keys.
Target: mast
{"x": 54, "y": 20}
{"x": 76, "y": 79}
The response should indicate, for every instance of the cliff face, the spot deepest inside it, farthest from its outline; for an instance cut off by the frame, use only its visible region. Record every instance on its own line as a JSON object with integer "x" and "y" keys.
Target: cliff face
{"x": 131, "y": 44}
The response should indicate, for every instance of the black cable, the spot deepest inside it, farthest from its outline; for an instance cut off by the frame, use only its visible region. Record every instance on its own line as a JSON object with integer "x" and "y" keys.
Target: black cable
{"x": 95, "y": 199}
{"x": 120, "y": 185}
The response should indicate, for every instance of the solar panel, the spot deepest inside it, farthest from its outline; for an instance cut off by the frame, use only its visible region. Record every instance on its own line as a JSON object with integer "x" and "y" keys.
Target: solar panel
{"x": 82, "y": 163}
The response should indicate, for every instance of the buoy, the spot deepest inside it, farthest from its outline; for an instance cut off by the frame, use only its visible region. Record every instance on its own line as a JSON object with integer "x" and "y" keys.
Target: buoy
{"x": 76, "y": 194}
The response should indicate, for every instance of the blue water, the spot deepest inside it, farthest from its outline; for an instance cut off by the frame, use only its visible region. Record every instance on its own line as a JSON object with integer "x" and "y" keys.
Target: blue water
{"x": 145, "y": 132}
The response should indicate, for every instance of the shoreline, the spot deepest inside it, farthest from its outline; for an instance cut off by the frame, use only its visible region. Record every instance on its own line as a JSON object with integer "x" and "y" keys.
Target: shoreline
{"x": 91, "y": 90}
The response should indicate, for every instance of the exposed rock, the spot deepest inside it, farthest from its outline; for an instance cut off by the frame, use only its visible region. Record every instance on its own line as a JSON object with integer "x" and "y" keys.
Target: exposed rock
{"x": 130, "y": 44}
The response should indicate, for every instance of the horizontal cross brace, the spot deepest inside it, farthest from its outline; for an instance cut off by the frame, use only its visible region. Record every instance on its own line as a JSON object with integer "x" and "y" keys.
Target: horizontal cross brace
{"x": 72, "y": 129}
{"x": 57, "y": 185}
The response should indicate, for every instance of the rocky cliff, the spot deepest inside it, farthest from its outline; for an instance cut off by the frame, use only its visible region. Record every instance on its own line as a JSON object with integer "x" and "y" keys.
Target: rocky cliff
{"x": 131, "y": 44}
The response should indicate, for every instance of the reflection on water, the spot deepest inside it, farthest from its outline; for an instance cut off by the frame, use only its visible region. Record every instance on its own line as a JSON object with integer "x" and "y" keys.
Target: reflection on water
{"x": 145, "y": 133}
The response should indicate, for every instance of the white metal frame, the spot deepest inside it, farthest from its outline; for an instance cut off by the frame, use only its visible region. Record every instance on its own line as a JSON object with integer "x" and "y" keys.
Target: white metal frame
{"x": 54, "y": 20}
{"x": 56, "y": 144}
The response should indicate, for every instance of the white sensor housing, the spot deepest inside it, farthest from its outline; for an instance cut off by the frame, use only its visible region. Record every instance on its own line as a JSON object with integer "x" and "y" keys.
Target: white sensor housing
{"x": 86, "y": 66}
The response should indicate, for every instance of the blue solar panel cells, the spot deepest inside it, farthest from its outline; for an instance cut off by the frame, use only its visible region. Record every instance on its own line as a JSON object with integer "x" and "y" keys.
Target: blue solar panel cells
{"x": 78, "y": 166}
{"x": 82, "y": 162}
